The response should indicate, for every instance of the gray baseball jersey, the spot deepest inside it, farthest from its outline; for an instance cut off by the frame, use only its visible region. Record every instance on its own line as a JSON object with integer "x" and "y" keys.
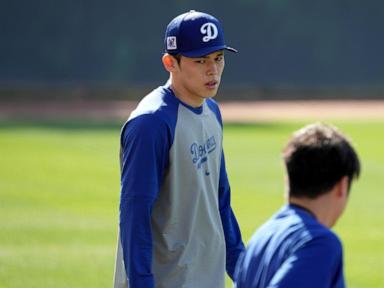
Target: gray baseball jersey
{"x": 177, "y": 228}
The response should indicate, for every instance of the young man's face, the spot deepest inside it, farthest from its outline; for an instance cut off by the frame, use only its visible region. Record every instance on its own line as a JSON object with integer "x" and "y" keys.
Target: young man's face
{"x": 199, "y": 78}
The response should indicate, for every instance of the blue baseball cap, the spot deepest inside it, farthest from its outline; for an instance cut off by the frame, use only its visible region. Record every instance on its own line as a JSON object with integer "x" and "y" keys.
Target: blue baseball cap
{"x": 194, "y": 34}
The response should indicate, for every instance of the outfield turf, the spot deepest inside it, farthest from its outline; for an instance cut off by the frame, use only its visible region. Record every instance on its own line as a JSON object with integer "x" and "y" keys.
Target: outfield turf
{"x": 59, "y": 193}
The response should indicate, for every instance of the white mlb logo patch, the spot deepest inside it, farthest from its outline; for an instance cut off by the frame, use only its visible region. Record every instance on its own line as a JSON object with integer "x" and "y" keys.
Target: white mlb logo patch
{"x": 171, "y": 43}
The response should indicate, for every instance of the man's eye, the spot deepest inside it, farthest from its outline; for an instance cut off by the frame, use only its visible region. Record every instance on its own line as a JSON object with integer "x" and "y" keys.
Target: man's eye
{"x": 220, "y": 58}
{"x": 202, "y": 61}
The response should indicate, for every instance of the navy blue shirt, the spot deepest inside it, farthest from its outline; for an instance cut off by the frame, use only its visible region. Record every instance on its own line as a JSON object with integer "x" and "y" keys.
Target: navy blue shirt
{"x": 292, "y": 249}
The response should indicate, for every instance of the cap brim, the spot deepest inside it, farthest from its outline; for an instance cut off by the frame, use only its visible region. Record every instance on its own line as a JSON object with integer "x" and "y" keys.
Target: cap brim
{"x": 206, "y": 51}
{"x": 231, "y": 49}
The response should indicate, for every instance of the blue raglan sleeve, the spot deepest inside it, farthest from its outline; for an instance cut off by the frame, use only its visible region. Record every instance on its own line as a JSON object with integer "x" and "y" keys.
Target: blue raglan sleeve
{"x": 233, "y": 241}
{"x": 145, "y": 145}
{"x": 318, "y": 264}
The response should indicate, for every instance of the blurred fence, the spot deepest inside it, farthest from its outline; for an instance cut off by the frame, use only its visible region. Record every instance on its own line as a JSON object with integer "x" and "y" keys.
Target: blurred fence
{"x": 111, "y": 49}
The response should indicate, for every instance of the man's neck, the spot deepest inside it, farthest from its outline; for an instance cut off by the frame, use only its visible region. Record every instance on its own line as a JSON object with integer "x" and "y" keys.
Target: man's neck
{"x": 184, "y": 97}
{"x": 318, "y": 207}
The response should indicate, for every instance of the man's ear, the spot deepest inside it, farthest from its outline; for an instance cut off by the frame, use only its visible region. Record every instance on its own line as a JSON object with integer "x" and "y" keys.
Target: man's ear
{"x": 343, "y": 187}
{"x": 169, "y": 62}
{"x": 286, "y": 187}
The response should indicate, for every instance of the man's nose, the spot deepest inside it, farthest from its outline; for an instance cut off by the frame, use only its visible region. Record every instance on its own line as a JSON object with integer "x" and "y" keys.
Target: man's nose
{"x": 212, "y": 68}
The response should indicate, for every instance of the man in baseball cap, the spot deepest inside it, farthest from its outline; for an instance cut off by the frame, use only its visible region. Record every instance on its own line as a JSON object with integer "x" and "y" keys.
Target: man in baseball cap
{"x": 177, "y": 227}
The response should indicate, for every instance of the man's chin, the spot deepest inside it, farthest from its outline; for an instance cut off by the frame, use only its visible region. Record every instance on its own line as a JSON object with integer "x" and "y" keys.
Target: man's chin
{"x": 210, "y": 94}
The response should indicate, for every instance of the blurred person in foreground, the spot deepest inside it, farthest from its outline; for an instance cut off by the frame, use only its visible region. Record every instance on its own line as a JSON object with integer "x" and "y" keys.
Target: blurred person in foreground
{"x": 177, "y": 227}
{"x": 295, "y": 247}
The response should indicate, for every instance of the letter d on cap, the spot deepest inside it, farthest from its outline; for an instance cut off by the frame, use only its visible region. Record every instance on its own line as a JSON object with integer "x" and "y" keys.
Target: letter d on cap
{"x": 210, "y": 30}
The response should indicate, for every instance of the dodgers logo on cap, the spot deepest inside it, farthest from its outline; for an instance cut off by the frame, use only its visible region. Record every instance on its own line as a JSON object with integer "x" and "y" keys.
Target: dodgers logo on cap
{"x": 210, "y": 30}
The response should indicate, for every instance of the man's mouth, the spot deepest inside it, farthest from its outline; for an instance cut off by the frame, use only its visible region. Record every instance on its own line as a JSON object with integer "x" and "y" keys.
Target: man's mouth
{"x": 212, "y": 84}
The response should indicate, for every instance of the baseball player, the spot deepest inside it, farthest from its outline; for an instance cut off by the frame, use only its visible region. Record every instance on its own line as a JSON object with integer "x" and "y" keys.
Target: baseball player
{"x": 296, "y": 247}
{"x": 177, "y": 228}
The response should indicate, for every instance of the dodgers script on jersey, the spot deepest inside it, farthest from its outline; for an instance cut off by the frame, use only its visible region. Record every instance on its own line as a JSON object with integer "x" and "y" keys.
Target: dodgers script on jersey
{"x": 176, "y": 180}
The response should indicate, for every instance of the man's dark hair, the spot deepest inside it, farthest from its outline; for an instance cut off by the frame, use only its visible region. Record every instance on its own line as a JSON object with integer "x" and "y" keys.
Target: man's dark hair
{"x": 177, "y": 57}
{"x": 316, "y": 158}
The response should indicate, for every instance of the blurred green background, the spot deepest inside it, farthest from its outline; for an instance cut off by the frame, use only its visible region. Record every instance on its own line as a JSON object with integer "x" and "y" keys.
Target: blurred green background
{"x": 59, "y": 191}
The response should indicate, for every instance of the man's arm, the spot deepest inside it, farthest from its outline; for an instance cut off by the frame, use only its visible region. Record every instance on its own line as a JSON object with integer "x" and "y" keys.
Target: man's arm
{"x": 317, "y": 264}
{"x": 145, "y": 147}
{"x": 233, "y": 242}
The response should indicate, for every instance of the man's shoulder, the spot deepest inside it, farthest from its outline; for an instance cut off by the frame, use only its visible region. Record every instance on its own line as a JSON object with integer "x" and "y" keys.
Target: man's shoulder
{"x": 214, "y": 107}
{"x": 322, "y": 236}
{"x": 158, "y": 105}
{"x": 212, "y": 104}
{"x": 155, "y": 115}
{"x": 288, "y": 223}
{"x": 326, "y": 235}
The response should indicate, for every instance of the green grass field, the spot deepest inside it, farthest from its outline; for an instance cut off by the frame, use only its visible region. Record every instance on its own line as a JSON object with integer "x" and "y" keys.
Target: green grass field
{"x": 59, "y": 193}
